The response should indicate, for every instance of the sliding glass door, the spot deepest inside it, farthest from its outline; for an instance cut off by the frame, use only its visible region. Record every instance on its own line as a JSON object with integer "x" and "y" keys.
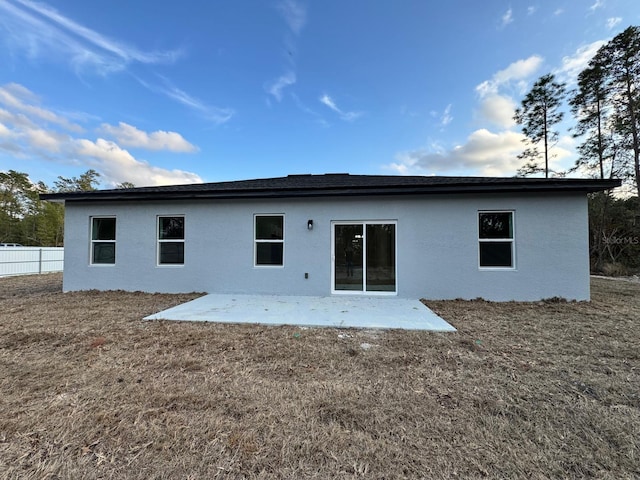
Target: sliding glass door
{"x": 348, "y": 257}
{"x": 364, "y": 257}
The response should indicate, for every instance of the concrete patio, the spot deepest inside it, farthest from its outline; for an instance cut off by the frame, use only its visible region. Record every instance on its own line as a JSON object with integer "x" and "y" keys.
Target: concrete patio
{"x": 336, "y": 312}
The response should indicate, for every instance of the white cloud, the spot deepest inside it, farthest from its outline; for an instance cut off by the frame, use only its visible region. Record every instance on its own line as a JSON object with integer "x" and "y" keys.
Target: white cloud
{"x": 294, "y": 14}
{"x": 49, "y": 141}
{"x": 531, "y": 10}
{"x": 130, "y": 136}
{"x": 497, "y": 109}
{"x": 41, "y": 31}
{"x": 19, "y": 98}
{"x": 490, "y": 151}
{"x": 4, "y": 131}
{"x": 496, "y": 106}
{"x": 484, "y": 153}
{"x": 348, "y": 116}
{"x": 15, "y": 118}
{"x": 518, "y": 70}
{"x": 280, "y": 84}
{"x": 29, "y": 130}
{"x": 446, "y": 118}
{"x": 572, "y": 65}
{"x": 507, "y": 18}
{"x": 309, "y": 111}
{"x": 558, "y": 12}
{"x": 596, "y": 5}
{"x": 216, "y": 115}
{"x": 494, "y": 153}
{"x": 613, "y": 22}
{"x": 328, "y": 101}
{"x": 117, "y": 165}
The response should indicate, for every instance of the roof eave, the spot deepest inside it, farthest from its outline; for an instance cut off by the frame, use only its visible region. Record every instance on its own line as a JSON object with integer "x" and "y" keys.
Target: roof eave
{"x": 516, "y": 187}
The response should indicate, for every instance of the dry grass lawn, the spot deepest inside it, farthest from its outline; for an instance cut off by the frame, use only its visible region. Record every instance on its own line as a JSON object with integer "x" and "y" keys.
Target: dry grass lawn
{"x": 523, "y": 390}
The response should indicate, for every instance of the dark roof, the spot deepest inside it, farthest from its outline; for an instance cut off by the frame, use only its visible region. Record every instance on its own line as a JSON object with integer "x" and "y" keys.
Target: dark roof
{"x": 339, "y": 184}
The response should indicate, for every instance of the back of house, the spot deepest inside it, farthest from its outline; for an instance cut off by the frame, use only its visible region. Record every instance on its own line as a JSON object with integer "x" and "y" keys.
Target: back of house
{"x": 336, "y": 234}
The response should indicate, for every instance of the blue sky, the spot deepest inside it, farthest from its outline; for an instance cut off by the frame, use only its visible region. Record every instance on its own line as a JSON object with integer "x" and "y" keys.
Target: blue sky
{"x": 164, "y": 92}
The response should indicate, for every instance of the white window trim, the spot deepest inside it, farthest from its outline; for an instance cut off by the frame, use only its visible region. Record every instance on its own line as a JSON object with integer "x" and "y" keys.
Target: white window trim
{"x": 92, "y": 242}
{"x": 256, "y": 241}
{"x": 489, "y": 240}
{"x": 169, "y": 240}
{"x": 364, "y": 223}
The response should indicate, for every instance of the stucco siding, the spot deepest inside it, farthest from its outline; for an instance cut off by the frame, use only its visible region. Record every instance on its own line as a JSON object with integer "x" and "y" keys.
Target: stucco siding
{"x": 437, "y": 246}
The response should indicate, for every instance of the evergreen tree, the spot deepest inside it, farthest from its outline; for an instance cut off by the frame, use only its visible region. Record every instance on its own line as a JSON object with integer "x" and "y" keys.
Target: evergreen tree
{"x": 84, "y": 183}
{"x": 621, "y": 57}
{"x": 538, "y": 113}
{"x": 589, "y": 106}
{"x": 25, "y": 219}
{"x": 16, "y": 202}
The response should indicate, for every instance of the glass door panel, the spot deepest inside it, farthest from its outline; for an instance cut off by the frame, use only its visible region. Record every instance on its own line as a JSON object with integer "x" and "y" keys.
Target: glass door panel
{"x": 364, "y": 257}
{"x": 381, "y": 258}
{"x": 348, "y": 248}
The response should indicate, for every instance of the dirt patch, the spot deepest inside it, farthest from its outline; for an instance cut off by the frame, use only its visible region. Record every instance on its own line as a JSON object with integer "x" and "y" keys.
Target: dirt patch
{"x": 539, "y": 390}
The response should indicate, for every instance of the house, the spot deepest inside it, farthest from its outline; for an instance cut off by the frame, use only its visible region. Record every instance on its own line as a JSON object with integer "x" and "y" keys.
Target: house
{"x": 336, "y": 234}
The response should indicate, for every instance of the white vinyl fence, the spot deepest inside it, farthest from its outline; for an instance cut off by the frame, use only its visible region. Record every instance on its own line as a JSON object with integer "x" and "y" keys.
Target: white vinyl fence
{"x": 28, "y": 260}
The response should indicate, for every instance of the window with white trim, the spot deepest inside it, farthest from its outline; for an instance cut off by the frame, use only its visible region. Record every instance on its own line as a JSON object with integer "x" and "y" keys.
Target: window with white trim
{"x": 171, "y": 240}
{"x": 269, "y": 240}
{"x": 496, "y": 239}
{"x": 103, "y": 241}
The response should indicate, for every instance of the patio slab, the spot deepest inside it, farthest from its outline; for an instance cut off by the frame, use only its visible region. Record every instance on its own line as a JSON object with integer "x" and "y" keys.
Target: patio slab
{"x": 335, "y": 312}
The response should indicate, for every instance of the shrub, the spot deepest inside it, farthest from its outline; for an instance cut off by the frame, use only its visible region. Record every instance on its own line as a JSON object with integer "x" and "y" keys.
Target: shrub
{"x": 615, "y": 269}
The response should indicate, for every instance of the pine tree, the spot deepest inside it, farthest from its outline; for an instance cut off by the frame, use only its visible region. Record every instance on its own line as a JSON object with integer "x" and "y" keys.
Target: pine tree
{"x": 621, "y": 56}
{"x": 538, "y": 113}
{"x": 84, "y": 183}
{"x": 589, "y": 106}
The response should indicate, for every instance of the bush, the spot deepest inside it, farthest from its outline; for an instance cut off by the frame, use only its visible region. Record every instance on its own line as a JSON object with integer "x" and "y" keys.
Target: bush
{"x": 615, "y": 269}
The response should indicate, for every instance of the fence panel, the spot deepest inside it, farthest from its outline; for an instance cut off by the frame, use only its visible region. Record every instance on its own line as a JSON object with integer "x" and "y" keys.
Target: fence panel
{"x": 28, "y": 260}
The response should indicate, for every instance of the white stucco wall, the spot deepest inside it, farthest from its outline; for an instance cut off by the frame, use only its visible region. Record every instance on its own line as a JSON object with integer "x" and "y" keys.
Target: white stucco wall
{"x": 437, "y": 246}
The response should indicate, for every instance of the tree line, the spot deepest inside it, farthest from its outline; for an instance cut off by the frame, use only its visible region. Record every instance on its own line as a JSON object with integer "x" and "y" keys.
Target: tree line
{"x": 27, "y": 220}
{"x": 606, "y": 110}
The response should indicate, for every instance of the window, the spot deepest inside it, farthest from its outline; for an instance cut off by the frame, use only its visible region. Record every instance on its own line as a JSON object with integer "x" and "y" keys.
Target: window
{"x": 171, "y": 240}
{"x": 269, "y": 240}
{"x": 103, "y": 240}
{"x": 496, "y": 239}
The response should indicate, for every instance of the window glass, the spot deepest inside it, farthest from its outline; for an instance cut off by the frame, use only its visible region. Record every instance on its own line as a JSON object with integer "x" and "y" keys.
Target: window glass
{"x": 495, "y": 254}
{"x": 104, "y": 252}
{"x": 268, "y": 253}
{"x": 171, "y": 253}
{"x": 269, "y": 227}
{"x": 171, "y": 228}
{"x": 495, "y": 231}
{"x": 496, "y": 225}
{"x": 269, "y": 240}
{"x": 171, "y": 240}
{"x": 381, "y": 257}
{"x": 103, "y": 240}
{"x": 103, "y": 229}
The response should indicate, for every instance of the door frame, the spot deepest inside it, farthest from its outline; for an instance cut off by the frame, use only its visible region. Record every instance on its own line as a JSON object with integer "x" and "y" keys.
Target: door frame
{"x": 364, "y": 224}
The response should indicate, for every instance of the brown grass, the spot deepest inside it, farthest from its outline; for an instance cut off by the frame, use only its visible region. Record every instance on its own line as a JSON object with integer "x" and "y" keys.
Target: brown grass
{"x": 533, "y": 390}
